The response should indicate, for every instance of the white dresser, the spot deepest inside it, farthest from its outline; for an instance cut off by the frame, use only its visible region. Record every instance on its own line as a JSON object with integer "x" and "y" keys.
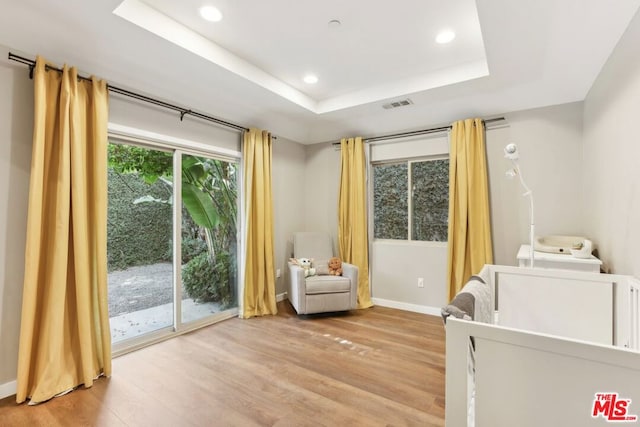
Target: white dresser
{"x": 558, "y": 261}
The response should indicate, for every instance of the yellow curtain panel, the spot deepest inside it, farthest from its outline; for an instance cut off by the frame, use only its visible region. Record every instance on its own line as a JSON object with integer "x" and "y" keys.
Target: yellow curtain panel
{"x": 259, "y": 291}
{"x": 64, "y": 338}
{"x": 352, "y": 214}
{"x": 469, "y": 220}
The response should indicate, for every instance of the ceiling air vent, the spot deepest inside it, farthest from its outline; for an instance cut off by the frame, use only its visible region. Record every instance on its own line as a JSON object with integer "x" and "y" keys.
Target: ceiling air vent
{"x": 396, "y": 104}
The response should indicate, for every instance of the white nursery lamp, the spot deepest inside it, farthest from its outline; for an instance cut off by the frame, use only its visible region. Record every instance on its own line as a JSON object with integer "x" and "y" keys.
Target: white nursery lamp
{"x": 511, "y": 153}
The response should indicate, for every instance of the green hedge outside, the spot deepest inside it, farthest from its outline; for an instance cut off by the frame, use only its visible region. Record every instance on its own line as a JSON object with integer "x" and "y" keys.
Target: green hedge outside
{"x": 138, "y": 234}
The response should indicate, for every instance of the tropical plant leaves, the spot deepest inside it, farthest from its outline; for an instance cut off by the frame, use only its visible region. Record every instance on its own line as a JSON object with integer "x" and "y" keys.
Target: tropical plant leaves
{"x": 193, "y": 170}
{"x": 200, "y": 206}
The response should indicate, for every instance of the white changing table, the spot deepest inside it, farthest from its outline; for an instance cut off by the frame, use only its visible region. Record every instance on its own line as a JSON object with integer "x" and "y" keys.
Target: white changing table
{"x": 558, "y": 261}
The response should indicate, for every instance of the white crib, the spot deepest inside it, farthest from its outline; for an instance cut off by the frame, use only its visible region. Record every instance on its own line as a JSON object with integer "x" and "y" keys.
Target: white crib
{"x": 561, "y": 343}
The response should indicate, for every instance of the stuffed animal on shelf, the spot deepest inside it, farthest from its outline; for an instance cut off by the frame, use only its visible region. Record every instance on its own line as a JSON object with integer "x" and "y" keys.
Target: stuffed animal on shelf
{"x": 335, "y": 266}
{"x": 305, "y": 264}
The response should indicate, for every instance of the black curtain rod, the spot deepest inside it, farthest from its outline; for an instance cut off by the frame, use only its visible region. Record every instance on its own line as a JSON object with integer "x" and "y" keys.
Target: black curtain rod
{"x": 183, "y": 111}
{"x": 418, "y": 132}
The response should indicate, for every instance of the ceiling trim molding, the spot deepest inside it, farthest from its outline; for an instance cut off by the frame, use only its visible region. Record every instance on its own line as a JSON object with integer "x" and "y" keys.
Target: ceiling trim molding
{"x": 144, "y": 16}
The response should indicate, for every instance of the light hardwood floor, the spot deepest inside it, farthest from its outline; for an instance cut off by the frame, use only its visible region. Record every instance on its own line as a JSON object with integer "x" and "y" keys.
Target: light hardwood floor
{"x": 374, "y": 367}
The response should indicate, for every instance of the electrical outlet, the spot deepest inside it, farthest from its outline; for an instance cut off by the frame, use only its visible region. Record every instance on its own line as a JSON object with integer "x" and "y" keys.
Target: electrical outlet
{"x": 278, "y": 273}
{"x": 420, "y": 282}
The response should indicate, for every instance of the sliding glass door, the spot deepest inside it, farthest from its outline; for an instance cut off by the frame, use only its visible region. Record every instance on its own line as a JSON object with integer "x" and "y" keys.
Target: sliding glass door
{"x": 209, "y": 238}
{"x": 172, "y": 240}
{"x": 139, "y": 240}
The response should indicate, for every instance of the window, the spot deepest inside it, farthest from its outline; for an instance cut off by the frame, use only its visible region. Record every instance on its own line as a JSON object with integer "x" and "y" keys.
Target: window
{"x": 429, "y": 200}
{"x": 390, "y": 202}
{"x": 417, "y": 215}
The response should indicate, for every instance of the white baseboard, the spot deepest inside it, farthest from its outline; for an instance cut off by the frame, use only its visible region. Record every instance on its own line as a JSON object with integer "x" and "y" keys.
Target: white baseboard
{"x": 424, "y": 309}
{"x": 281, "y": 297}
{"x": 8, "y": 389}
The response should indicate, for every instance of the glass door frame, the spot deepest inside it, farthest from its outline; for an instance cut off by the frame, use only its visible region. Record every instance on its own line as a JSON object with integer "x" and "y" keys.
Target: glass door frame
{"x": 180, "y": 147}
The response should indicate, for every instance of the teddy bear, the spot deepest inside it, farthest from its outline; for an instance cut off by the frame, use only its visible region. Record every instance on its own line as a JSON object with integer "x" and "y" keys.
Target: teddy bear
{"x": 335, "y": 266}
{"x": 305, "y": 264}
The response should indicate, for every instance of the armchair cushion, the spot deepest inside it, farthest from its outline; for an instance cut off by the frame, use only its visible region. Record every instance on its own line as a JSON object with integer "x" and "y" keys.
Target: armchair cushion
{"x": 327, "y": 284}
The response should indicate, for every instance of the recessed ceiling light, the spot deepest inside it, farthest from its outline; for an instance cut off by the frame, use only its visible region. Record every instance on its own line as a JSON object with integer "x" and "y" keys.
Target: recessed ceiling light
{"x": 210, "y": 13}
{"x": 310, "y": 79}
{"x": 445, "y": 36}
{"x": 334, "y": 23}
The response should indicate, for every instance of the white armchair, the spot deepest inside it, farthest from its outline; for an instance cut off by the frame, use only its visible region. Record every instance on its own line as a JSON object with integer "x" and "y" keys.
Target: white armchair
{"x": 320, "y": 293}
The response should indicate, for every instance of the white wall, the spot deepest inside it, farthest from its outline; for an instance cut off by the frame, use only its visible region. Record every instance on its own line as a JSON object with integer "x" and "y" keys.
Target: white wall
{"x": 16, "y": 122}
{"x": 322, "y": 186}
{"x": 550, "y": 144}
{"x": 611, "y": 178}
{"x": 395, "y": 269}
{"x": 128, "y": 112}
{"x": 289, "y": 201}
